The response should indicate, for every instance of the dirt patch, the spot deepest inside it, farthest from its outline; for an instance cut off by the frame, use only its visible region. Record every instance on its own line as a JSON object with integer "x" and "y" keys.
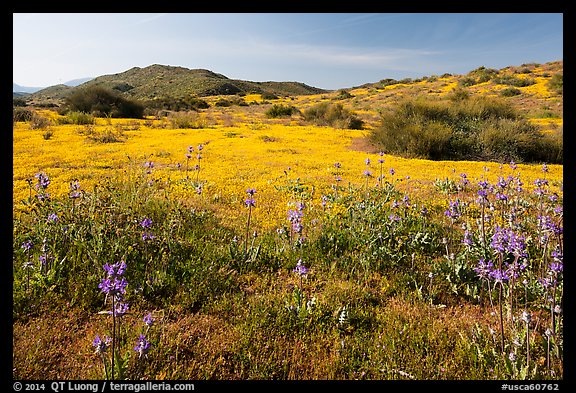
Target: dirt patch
{"x": 364, "y": 145}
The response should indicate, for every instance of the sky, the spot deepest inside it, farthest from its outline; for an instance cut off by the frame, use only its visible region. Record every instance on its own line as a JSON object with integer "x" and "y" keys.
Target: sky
{"x": 325, "y": 50}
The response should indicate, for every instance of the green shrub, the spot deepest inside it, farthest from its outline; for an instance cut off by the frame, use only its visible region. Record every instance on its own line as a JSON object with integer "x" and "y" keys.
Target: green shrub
{"x": 467, "y": 82}
{"x": 335, "y": 115}
{"x": 280, "y": 110}
{"x": 459, "y": 94}
{"x": 108, "y": 135}
{"x": 556, "y": 83}
{"x": 78, "y": 118}
{"x": 223, "y": 102}
{"x": 268, "y": 96}
{"x": 514, "y": 81}
{"x": 103, "y": 102}
{"x": 176, "y": 104}
{"x": 478, "y": 128}
{"x": 185, "y": 120}
{"x": 388, "y": 82}
{"x": 22, "y": 114}
{"x": 510, "y": 92}
{"x": 47, "y": 134}
{"x": 482, "y": 74}
{"x": 343, "y": 94}
{"x": 18, "y": 102}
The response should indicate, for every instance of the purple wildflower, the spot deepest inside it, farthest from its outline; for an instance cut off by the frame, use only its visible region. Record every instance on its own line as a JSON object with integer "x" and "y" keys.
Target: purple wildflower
{"x": 53, "y": 218}
{"x": 120, "y": 309}
{"x": 251, "y": 191}
{"x": 250, "y": 202}
{"x": 114, "y": 286}
{"x": 484, "y": 268}
{"x": 295, "y": 218}
{"x": 143, "y": 346}
{"x": 499, "y": 276}
{"x": 43, "y": 180}
{"x": 148, "y": 320}
{"x": 453, "y": 210}
{"x": 116, "y": 269}
{"x": 146, "y": 223}
{"x": 27, "y": 245}
{"x": 44, "y": 259}
{"x": 505, "y": 240}
{"x": 148, "y": 236}
{"x": 101, "y": 345}
{"x": 467, "y": 238}
{"x": 300, "y": 268}
{"x": 74, "y": 189}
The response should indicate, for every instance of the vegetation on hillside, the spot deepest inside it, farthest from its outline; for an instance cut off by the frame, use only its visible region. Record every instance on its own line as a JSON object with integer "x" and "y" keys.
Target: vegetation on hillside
{"x": 479, "y": 128}
{"x": 103, "y": 102}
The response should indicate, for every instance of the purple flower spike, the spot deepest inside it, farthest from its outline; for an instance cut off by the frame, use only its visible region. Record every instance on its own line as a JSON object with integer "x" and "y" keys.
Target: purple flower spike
{"x": 300, "y": 269}
{"x": 101, "y": 345}
{"x": 148, "y": 320}
{"x": 143, "y": 346}
{"x": 146, "y": 223}
{"x": 27, "y": 246}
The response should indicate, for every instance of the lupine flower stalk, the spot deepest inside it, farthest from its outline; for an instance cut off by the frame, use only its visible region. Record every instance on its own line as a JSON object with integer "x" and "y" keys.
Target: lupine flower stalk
{"x": 250, "y": 203}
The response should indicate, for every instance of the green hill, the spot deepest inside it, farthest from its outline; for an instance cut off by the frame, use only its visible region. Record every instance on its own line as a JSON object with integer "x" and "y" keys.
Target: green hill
{"x": 160, "y": 81}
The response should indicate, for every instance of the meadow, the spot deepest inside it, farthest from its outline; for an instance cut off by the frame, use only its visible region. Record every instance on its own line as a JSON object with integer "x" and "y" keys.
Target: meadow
{"x": 245, "y": 247}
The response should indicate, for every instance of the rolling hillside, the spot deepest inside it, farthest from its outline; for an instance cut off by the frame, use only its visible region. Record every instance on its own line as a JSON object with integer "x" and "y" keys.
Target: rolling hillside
{"x": 159, "y": 81}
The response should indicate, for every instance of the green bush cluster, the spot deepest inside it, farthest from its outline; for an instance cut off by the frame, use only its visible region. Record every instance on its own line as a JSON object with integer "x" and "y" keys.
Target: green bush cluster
{"x": 469, "y": 129}
{"x": 22, "y": 114}
{"x": 177, "y": 104}
{"x": 103, "y": 102}
{"x": 556, "y": 83}
{"x": 512, "y": 80}
{"x": 280, "y": 110}
{"x": 334, "y": 115}
{"x": 510, "y": 92}
{"x": 479, "y": 75}
{"x": 78, "y": 118}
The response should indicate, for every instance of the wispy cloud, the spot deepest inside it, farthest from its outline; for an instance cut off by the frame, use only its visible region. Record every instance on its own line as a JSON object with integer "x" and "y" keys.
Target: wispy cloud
{"x": 317, "y": 54}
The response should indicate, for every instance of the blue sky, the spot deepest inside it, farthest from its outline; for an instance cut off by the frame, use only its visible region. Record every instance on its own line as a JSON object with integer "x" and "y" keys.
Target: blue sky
{"x": 327, "y": 50}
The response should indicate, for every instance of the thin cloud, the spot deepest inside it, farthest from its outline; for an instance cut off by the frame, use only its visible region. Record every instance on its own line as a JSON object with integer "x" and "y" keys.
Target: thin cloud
{"x": 318, "y": 54}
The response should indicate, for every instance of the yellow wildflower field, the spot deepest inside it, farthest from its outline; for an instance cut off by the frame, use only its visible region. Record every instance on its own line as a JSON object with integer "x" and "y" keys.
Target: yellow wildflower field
{"x": 234, "y": 158}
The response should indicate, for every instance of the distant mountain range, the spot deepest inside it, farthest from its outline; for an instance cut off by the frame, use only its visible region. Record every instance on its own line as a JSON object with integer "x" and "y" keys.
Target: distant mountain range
{"x": 16, "y": 88}
{"x": 162, "y": 81}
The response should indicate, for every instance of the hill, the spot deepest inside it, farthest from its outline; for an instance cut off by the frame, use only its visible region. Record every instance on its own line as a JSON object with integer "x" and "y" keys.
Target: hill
{"x": 160, "y": 81}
